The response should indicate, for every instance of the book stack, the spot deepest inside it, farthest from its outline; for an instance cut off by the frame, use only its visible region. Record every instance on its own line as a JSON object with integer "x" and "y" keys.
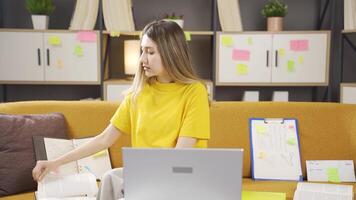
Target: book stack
{"x": 85, "y": 14}
{"x": 118, "y": 15}
{"x": 318, "y": 191}
{"x": 349, "y": 14}
{"x": 229, "y": 15}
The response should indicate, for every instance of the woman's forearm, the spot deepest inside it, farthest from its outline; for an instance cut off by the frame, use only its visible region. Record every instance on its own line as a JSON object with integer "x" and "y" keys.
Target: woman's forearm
{"x": 98, "y": 143}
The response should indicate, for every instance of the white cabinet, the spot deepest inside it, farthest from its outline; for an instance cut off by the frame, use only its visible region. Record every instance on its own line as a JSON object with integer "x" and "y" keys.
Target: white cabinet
{"x": 262, "y": 58}
{"x": 21, "y": 57}
{"x": 49, "y": 57}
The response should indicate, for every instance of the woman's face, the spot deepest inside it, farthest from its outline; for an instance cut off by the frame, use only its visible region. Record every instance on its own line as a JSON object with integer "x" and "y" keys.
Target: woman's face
{"x": 151, "y": 61}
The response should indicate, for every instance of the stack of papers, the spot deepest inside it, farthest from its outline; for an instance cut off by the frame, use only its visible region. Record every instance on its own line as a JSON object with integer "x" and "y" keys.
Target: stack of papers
{"x": 316, "y": 191}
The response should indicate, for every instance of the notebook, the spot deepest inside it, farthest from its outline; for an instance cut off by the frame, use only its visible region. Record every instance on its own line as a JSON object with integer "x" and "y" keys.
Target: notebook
{"x": 176, "y": 174}
{"x": 52, "y": 148}
{"x": 69, "y": 187}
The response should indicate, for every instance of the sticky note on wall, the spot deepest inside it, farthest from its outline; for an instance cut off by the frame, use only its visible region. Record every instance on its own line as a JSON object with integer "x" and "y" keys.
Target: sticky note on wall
{"x": 241, "y": 69}
{"x": 226, "y": 41}
{"x": 290, "y": 66}
{"x": 54, "y": 40}
{"x": 241, "y": 55}
{"x": 78, "y": 51}
{"x": 282, "y": 52}
{"x": 249, "y": 40}
{"x": 300, "y": 59}
{"x": 299, "y": 45}
{"x": 59, "y": 63}
{"x": 86, "y": 36}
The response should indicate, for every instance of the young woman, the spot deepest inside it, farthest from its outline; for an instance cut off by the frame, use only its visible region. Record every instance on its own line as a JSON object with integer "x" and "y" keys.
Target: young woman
{"x": 167, "y": 106}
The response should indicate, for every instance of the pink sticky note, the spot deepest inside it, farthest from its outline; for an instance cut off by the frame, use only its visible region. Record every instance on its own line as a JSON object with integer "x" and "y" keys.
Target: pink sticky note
{"x": 299, "y": 45}
{"x": 238, "y": 54}
{"x": 86, "y": 36}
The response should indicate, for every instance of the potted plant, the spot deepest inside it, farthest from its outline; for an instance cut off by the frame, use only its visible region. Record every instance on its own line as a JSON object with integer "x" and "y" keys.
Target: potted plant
{"x": 40, "y": 10}
{"x": 274, "y": 10}
{"x": 177, "y": 19}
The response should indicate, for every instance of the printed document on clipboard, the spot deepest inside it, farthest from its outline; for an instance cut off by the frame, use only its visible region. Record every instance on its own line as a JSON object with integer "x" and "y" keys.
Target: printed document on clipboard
{"x": 275, "y": 153}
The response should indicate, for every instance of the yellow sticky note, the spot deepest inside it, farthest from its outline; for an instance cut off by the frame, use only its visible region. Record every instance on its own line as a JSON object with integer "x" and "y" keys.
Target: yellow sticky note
{"x": 261, "y": 155}
{"x": 300, "y": 59}
{"x": 241, "y": 69}
{"x": 99, "y": 154}
{"x": 249, "y": 40}
{"x": 261, "y": 129}
{"x": 281, "y": 52}
{"x": 59, "y": 64}
{"x": 114, "y": 33}
{"x": 292, "y": 141}
{"x": 333, "y": 175}
{"x": 78, "y": 51}
{"x": 54, "y": 40}
{"x": 187, "y": 36}
{"x": 226, "y": 40}
{"x": 250, "y": 195}
{"x": 290, "y": 66}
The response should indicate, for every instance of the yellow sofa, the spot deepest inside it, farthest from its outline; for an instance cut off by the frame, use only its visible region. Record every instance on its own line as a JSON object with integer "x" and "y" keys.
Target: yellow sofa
{"x": 326, "y": 130}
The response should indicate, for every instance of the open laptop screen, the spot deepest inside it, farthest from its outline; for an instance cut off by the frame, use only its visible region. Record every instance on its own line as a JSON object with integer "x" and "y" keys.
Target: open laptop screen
{"x": 176, "y": 174}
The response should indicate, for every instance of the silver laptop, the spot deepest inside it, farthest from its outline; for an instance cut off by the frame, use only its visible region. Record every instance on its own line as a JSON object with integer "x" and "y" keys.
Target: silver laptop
{"x": 182, "y": 174}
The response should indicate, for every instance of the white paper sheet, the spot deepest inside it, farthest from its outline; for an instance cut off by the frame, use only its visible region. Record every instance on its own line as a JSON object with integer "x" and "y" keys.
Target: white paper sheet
{"x": 319, "y": 170}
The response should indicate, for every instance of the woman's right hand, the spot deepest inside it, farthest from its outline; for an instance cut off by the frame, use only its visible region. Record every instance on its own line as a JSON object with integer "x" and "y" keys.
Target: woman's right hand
{"x": 42, "y": 168}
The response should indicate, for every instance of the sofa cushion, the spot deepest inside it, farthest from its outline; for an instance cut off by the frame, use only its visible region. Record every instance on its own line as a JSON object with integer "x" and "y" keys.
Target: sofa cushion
{"x": 16, "y": 148}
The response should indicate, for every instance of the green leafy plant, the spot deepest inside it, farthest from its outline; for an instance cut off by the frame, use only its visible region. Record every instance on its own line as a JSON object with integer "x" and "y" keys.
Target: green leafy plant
{"x": 40, "y": 7}
{"x": 173, "y": 16}
{"x": 274, "y": 8}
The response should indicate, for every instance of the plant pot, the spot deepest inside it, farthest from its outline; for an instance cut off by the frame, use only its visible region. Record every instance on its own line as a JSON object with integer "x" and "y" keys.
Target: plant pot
{"x": 180, "y": 22}
{"x": 40, "y": 21}
{"x": 274, "y": 23}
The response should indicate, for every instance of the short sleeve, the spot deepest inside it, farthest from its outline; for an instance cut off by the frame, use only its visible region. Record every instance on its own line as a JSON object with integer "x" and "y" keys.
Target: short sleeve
{"x": 121, "y": 119}
{"x": 196, "y": 121}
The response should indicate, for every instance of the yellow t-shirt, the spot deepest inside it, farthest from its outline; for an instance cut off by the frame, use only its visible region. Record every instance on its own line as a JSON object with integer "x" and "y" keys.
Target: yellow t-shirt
{"x": 163, "y": 112}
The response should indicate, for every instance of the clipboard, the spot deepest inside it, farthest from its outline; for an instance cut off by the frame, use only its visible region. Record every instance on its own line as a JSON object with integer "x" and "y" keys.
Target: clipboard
{"x": 275, "y": 149}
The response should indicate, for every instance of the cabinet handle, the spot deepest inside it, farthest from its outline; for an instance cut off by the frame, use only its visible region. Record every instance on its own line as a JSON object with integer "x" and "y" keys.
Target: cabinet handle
{"x": 48, "y": 56}
{"x": 39, "y": 56}
{"x": 267, "y": 58}
{"x": 276, "y": 58}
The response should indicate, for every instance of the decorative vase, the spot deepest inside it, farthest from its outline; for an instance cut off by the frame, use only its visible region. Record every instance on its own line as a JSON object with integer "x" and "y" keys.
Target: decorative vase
{"x": 180, "y": 22}
{"x": 40, "y": 21}
{"x": 274, "y": 23}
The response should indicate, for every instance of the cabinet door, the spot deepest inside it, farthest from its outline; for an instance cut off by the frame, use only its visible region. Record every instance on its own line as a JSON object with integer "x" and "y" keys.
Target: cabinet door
{"x": 243, "y": 59}
{"x": 21, "y": 56}
{"x": 70, "y": 60}
{"x": 300, "y": 58}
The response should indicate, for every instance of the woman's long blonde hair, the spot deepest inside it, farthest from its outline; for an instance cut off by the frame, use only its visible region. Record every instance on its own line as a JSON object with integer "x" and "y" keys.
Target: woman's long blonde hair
{"x": 173, "y": 48}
